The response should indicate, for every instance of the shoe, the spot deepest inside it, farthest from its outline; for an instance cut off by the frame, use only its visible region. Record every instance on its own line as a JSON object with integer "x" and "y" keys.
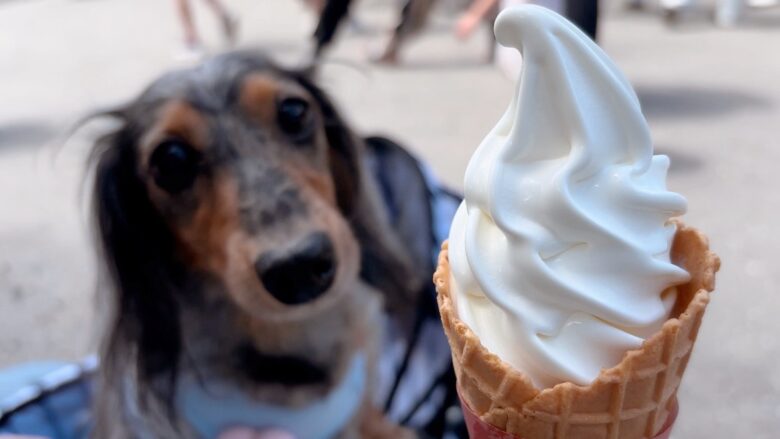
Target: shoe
{"x": 190, "y": 53}
{"x": 762, "y": 3}
{"x": 635, "y": 5}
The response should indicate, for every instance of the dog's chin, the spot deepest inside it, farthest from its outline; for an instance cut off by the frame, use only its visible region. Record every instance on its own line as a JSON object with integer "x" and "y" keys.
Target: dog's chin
{"x": 288, "y": 370}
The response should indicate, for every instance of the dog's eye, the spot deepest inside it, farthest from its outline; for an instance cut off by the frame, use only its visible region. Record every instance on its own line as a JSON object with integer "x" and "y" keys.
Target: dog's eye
{"x": 293, "y": 117}
{"x": 174, "y": 165}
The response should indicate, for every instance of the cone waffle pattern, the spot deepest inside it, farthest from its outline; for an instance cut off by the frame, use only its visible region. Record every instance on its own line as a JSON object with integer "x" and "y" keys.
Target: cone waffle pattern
{"x": 629, "y": 401}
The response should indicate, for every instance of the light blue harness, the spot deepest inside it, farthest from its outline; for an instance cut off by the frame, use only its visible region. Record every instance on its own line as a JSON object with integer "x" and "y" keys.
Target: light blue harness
{"x": 222, "y": 405}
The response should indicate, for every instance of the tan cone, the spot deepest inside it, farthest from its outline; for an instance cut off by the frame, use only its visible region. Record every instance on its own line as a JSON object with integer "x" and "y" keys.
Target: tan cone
{"x": 629, "y": 401}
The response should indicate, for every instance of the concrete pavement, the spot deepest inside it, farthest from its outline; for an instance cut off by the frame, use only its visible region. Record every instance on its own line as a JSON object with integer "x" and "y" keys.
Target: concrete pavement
{"x": 712, "y": 97}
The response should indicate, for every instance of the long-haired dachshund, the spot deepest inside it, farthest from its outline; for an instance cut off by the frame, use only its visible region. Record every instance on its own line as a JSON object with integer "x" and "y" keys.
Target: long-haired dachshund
{"x": 248, "y": 260}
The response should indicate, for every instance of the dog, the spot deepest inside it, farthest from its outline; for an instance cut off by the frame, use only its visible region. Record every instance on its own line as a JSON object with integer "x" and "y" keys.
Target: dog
{"x": 247, "y": 258}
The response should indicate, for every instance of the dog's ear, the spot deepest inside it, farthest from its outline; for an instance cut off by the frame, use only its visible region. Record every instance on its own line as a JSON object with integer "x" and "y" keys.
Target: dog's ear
{"x": 343, "y": 149}
{"x": 137, "y": 252}
{"x": 385, "y": 263}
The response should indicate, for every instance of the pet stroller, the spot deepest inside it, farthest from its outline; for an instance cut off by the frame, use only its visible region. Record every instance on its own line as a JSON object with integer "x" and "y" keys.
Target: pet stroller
{"x": 417, "y": 388}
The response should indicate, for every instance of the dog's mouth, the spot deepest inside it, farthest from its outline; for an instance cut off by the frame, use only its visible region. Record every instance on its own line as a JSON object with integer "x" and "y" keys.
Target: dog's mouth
{"x": 287, "y": 370}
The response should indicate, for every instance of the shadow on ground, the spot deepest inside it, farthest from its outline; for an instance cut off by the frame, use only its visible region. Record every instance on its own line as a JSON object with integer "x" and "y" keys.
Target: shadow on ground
{"x": 768, "y": 18}
{"x": 680, "y": 162}
{"x": 689, "y": 102}
{"x": 444, "y": 64}
{"x": 701, "y": 18}
{"x": 25, "y": 133}
{"x": 274, "y": 47}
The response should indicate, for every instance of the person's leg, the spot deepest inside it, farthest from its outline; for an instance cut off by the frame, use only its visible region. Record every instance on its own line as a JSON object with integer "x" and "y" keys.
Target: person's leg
{"x": 635, "y": 4}
{"x": 473, "y": 16}
{"x": 191, "y": 38}
{"x": 727, "y": 12}
{"x": 413, "y": 18}
{"x": 490, "y": 20}
{"x": 315, "y": 5}
{"x": 333, "y": 13}
{"x": 229, "y": 23}
{"x": 585, "y": 14}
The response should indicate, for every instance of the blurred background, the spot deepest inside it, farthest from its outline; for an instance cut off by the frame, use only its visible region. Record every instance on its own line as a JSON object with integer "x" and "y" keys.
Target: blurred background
{"x": 709, "y": 82}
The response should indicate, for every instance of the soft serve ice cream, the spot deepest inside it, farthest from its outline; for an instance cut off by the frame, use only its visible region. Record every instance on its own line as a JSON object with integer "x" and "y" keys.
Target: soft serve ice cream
{"x": 560, "y": 251}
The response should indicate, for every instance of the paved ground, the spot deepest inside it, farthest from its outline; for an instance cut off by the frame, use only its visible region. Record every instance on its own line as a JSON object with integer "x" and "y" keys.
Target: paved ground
{"x": 712, "y": 97}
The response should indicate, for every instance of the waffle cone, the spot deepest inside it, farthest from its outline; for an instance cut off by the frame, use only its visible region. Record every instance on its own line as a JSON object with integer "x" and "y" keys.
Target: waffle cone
{"x": 629, "y": 401}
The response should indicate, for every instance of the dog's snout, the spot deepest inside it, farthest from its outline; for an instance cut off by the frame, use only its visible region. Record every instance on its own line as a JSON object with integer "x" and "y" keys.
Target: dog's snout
{"x": 301, "y": 275}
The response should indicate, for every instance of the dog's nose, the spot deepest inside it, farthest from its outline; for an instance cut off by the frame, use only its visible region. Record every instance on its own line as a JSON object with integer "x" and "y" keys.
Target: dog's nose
{"x": 301, "y": 275}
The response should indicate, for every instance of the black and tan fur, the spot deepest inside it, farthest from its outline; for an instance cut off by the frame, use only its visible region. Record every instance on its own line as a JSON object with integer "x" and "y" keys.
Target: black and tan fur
{"x": 183, "y": 263}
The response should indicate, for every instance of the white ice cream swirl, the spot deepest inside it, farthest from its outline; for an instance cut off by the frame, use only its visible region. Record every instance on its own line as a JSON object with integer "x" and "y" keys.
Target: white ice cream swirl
{"x": 560, "y": 251}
